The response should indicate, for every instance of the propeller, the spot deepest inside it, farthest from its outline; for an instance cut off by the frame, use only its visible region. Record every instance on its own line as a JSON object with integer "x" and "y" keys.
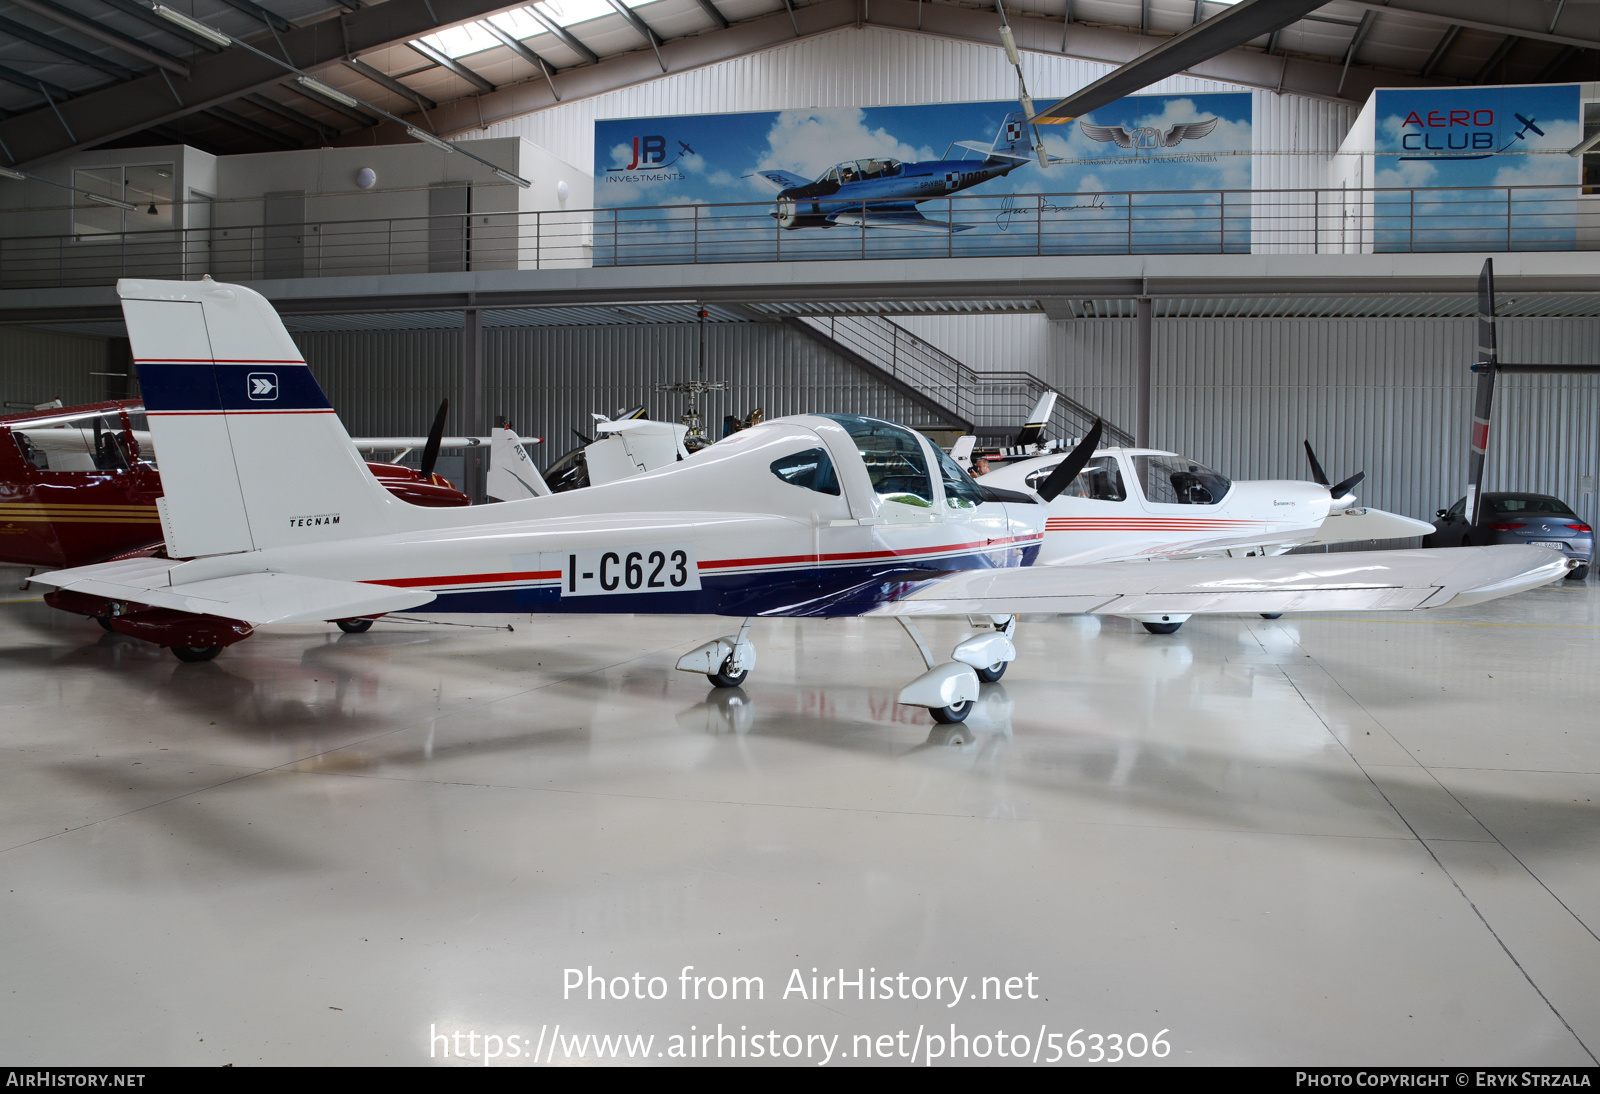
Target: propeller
{"x": 1069, "y": 468}
{"x": 430, "y": 451}
{"x": 1320, "y": 477}
{"x": 1483, "y": 400}
{"x": 1010, "y": 42}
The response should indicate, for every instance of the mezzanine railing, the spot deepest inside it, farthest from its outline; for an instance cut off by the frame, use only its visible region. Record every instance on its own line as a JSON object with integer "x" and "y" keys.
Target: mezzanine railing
{"x": 1305, "y": 221}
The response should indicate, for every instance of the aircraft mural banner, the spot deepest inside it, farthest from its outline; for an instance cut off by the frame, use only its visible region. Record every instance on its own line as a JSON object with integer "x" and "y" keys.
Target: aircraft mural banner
{"x": 1477, "y": 168}
{"x": 1146, "y": 174}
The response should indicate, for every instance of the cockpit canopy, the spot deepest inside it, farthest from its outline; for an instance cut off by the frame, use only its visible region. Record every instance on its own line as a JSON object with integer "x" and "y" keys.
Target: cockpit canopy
{"x": 856, "y": 170}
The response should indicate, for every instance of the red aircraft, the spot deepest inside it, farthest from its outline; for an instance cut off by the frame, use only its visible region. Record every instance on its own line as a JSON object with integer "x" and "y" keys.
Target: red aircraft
{"x": 103, "y": 504}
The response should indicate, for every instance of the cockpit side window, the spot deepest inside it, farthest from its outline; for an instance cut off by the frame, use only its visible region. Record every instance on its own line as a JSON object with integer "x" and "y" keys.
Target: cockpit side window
{"x": 809, "y": 470}
{"x": 1173, "y": 480}
{"x": 831, "y": 176}
{"x": 893, "y": 457}
{"x": 1100, "y": 480}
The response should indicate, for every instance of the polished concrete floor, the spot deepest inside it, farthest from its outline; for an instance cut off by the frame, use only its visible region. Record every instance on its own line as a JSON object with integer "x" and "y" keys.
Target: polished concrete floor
{"x": 1314, "y": 840}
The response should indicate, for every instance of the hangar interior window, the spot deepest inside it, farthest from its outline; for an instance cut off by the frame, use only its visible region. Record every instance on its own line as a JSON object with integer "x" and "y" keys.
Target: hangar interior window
{"x": 810, "y": 470}
{"x": 1100, "y": 480}
{"x": 894, "y": 459}
{"x": 1173, "y": 480}
{"x": 147, "y": 187}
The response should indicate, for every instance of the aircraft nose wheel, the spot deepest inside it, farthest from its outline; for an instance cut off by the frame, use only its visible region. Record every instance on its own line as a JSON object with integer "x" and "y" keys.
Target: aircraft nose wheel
{"x": 353, "y": 626}
{"x": 955, "y": 712}
{"x": 726, "y": 677}
{"x": 991, "y": 674}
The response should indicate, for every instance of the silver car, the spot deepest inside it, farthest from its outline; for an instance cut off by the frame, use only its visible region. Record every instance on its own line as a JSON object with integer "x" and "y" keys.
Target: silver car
{"x": 1536, "y": 519}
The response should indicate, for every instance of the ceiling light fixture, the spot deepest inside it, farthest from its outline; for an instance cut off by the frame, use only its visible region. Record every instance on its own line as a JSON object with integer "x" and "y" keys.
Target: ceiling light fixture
{"x": 510, "y": 177}
{"x": 193, "y": 26}
{"x": 7, "y": 173}
{"x": 105, "y": 200}
{"x": 428, "y": 138}
{"x": 313, "y": 84}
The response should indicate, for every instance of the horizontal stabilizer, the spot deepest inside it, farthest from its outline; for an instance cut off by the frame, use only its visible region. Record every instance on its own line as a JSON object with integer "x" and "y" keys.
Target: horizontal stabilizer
{"x": 1357, "y": 581}
{"x": 906, "y": 221}
{"x": 256, "y": 598}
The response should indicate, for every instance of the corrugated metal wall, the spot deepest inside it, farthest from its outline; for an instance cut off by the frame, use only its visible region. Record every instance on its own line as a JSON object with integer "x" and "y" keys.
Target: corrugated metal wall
{"x": 1391, "y": 397}
{"x": 871, "y": 66}
{"x": 547, "y": 380}
{"x": 40, "y": 365}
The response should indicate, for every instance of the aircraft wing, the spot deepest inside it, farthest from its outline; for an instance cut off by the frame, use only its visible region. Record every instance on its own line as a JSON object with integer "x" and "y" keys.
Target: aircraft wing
{"x": 782, "y": 180}
{"x": 1354, "y": 581}
{"x": 256, "y": 598}
{"x": 1359, "y": 523}
{"x": 906, "y": 220}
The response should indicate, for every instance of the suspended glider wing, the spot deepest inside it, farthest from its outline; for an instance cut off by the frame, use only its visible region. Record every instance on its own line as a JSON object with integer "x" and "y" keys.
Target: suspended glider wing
{"x": 256, "y": 598}
{"x": 905, "y": 220}
{"x": 1357, "y": 581}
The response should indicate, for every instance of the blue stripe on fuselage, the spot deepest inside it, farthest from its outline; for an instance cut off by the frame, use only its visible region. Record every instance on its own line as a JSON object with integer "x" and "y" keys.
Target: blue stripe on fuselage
{"x": 823, "y": 591}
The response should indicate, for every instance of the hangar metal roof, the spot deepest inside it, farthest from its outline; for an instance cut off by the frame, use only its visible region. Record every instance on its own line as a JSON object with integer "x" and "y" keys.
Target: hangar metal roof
{"x": 85, "y": 73}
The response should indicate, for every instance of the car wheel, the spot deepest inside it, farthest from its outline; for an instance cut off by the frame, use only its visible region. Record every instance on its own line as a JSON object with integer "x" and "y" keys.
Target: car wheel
{"x": 1579, "y": 574}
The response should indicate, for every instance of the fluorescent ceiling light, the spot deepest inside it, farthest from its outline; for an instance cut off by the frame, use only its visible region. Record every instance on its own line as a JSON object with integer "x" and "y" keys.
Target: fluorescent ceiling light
{"x": 1010, "y": 43}
{"x": 428, "y": 138}
{"x": 7, "y": 173}
{"x": 509, "y": 177}
{"x": 193, "y": 26}
{"x": 1586, "y": 146}
{"x": 327, "y": 92}
{"x": 104, "y": 200}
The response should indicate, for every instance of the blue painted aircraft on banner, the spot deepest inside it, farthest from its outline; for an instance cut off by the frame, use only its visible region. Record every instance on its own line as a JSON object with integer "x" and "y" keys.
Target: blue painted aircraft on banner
{"x": 884, "y": 193}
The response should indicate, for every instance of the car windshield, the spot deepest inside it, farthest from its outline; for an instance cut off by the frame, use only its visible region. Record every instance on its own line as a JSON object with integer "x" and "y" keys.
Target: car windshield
{"x": 1174, "y": 480}
{"x": 1528, "y": 505}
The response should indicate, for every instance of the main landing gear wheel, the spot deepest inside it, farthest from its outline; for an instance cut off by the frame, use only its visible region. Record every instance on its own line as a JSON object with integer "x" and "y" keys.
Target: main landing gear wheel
{"x": 991, "y": 674}
{"x": 1162, "y": 628}
{"x": 105, "y": 620}
{"x": 955, "y": 712}
{"x": 193, "y": 654}
{"x": 727, "y": 678}
{"x": 353, "y": 626}
{"x": 1271, "y": 615}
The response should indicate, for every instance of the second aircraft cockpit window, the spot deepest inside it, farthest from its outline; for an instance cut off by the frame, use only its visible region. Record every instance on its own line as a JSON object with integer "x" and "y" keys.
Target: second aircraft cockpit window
{"x": 810, "y": 470}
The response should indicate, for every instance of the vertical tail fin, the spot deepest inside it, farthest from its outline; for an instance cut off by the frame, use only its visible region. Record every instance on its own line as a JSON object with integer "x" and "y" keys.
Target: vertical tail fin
{"x": 1015, "y": 137}
{"x": 512, "y": 475}
{"x": 1033, "y": 430}
{"x": 961, "y": 451}
{"x": 252, "y": 454}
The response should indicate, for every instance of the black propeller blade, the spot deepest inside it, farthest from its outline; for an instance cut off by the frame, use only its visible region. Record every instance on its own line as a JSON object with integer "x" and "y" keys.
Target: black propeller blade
{"x": 430, "y": 451}
{"x": 585, "y": 441}
{"x": 1318, "y": 475}
{"x": 1069, "y": 468}
{"x": 1340, "y": 489}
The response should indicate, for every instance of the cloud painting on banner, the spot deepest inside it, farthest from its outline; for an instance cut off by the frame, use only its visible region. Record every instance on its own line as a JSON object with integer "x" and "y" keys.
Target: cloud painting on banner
{"x": 1148, "y": 173}
{"x": 1481, "y": 168}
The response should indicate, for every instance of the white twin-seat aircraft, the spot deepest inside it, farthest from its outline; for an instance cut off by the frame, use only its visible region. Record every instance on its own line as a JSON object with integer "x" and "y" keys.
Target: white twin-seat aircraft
{"x": 1143, "y": 503}
{"x": 271, "y": 516}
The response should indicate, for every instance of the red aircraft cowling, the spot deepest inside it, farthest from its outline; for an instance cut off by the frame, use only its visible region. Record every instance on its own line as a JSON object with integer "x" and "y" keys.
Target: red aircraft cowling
{"x": 56, "y": 519}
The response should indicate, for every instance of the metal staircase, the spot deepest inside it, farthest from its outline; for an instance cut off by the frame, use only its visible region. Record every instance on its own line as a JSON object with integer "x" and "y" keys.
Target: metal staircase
{"x": 991, "y": 405}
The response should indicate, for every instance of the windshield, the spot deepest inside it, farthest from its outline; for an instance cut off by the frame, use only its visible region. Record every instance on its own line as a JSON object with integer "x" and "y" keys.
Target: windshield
{"x": 1174, "y": 480}
{"x": 1528, "y": 504}
{"x": 1100, "y": 480}
{"x": 960, "y": 492}
{"x": 893, "y": 455}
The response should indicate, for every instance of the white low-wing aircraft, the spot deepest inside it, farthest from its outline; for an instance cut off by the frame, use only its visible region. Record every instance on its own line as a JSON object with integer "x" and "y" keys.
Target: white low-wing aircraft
{"x": 1127, "y": 504}
{"x": 276, "y": 520}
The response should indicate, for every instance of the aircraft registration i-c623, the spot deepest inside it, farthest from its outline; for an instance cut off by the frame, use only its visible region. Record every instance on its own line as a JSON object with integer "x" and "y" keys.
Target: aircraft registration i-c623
{"x": 883, "y": 193}
{"x": 811, "y": 515}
